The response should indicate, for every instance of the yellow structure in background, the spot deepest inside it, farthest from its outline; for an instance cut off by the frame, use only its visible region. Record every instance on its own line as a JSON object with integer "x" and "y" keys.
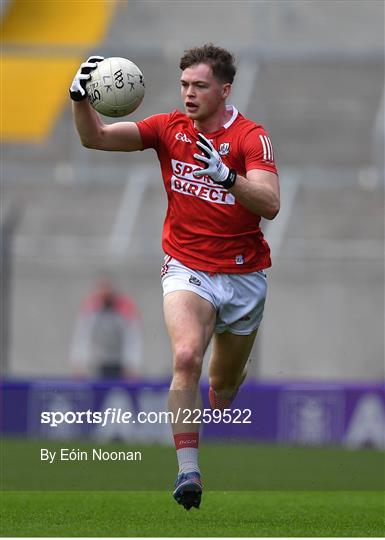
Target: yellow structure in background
{"x": 34, "y": 83}
{"x": 34, "y": 91}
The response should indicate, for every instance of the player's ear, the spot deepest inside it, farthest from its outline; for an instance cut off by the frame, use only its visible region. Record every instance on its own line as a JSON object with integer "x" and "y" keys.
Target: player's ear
{"x": 226, "y": 89}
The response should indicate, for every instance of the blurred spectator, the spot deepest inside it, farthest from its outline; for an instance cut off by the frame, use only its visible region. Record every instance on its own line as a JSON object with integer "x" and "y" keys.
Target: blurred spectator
{"x": 107, "y": 341}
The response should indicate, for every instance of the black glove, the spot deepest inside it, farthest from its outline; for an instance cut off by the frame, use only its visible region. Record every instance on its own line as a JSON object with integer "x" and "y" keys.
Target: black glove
{"x": 78, "y": 86}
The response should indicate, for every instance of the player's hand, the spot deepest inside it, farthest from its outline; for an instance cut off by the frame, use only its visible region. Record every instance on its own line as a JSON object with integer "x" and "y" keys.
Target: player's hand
{"x": 215, "y": 168}
{"x": 78, "y": 87}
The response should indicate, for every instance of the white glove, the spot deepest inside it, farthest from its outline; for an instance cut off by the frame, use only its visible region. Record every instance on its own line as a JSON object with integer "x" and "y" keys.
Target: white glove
{"x": 78, "y": 86}
{"x": 215, "y": 168}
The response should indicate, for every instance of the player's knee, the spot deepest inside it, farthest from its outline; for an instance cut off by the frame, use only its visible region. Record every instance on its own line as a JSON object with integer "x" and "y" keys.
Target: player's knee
{"x": 187, "y": 360}
{"x": 223, "y": 385}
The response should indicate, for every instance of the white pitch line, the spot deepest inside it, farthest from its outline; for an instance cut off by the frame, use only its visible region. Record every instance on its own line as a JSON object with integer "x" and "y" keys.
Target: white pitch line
{"x": 121, "y": 232}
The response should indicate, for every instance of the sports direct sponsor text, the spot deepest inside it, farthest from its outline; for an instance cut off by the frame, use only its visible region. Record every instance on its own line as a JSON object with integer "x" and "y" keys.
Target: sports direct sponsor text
{"x": 114, "y": 415}
{"x": 183, "y": 181}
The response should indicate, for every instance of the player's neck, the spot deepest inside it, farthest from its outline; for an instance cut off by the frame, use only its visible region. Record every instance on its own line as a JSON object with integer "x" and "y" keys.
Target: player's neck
{"x": 215, "y": 122}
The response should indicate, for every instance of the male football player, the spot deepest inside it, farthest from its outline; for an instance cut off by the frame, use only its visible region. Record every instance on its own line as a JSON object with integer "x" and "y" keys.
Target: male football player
{"x": 220, "y": 177}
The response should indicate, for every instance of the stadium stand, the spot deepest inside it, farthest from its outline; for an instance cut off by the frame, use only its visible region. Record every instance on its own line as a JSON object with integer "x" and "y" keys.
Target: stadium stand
{"x": 319, "y": 96}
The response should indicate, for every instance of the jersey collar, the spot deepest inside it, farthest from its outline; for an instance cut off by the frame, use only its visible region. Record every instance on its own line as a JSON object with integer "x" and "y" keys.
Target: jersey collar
{"x": 233, "y": 116}
{"x": 229, "y": 123}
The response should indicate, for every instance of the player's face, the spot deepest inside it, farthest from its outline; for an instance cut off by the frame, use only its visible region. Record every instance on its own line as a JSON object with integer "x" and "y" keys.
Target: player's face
{"x": 202, "y": 93}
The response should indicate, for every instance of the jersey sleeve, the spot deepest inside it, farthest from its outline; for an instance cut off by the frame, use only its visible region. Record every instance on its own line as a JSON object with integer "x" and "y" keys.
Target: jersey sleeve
{"x": 258, "y": 150}
{"x": 151, "y": 128}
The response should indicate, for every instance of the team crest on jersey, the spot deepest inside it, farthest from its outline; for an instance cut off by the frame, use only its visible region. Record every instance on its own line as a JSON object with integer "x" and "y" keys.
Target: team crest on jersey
{"x": 224, "y": 149}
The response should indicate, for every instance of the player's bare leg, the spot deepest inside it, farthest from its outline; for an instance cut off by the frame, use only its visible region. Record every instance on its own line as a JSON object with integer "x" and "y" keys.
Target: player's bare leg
{"x": 190, "y": 322}
{"x": 227, "y": 367}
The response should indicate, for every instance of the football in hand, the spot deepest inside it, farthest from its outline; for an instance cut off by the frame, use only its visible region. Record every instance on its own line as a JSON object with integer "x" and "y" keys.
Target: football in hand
{"x": 116, "y": 87}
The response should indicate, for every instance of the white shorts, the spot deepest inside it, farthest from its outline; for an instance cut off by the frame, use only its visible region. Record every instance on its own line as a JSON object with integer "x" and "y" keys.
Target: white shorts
{"x": 238, "y": 299}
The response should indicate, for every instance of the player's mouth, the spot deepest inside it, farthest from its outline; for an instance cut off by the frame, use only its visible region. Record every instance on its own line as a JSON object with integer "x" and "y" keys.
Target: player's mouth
{"x": 190, "y": 106}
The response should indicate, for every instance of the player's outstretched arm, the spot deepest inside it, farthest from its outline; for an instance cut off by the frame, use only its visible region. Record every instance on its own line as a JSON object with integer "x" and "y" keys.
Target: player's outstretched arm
{"x": 93, "y": 133}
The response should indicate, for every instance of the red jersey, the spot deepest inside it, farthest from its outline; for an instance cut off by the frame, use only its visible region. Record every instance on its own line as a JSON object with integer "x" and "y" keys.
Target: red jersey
{"x": 205, "y": 227}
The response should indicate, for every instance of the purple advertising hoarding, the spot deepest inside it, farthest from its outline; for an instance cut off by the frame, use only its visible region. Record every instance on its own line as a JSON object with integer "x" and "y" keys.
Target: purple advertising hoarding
{"x": 289, "y": 413}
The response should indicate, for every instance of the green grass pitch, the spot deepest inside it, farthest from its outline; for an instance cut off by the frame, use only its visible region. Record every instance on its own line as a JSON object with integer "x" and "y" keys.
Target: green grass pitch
{"x": 249, "y": 491}
{"x": 228, "y": 513}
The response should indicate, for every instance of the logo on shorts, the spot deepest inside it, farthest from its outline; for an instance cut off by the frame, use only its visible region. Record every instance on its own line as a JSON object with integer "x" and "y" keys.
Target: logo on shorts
{"x": 224, "y": 149}
{"x": 239, "y": 259}
{"x": 195, "y": 281}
